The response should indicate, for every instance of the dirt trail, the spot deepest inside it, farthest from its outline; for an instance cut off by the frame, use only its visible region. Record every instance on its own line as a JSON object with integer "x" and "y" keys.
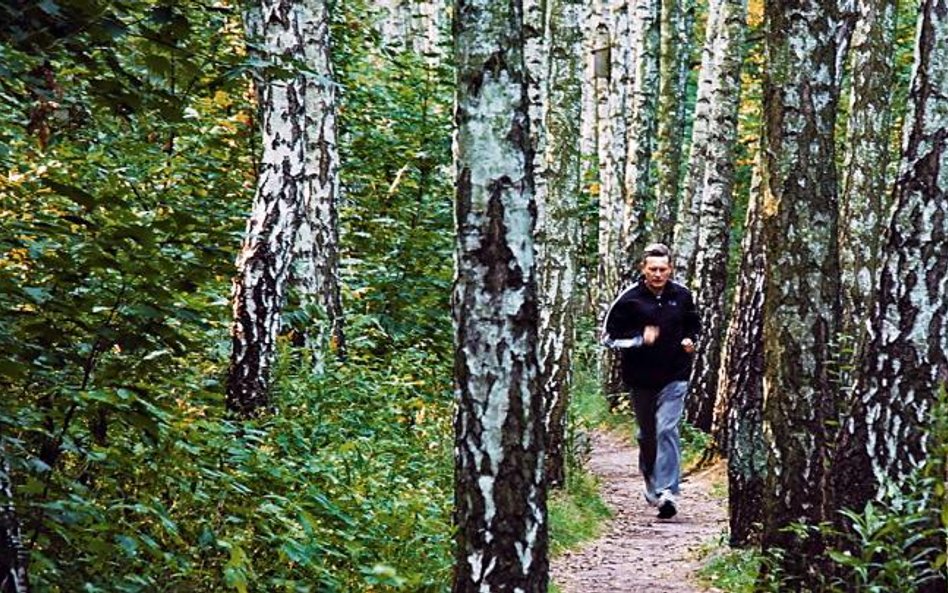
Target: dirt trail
{"x": 639, "y": 553}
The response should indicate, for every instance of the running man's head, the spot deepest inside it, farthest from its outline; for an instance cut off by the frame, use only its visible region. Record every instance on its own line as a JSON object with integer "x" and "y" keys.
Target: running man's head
{"x": 656, "y": 266}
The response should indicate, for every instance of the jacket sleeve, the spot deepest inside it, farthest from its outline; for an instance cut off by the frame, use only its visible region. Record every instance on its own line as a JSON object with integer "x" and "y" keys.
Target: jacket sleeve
{"x": 620, "y": 329}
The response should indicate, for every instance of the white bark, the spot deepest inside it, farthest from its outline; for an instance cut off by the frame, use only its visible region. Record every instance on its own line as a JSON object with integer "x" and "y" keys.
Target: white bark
{"x": 688, "y": 219}
{"x": 263, "y": 263}
{"x": 316, "y": 268}
{"x": 904, "y": 363}
{"x": 558, "y": 236}
{"x": 640, "y": 133}
{"x": 500, "y": 493}
{"x": 14, "y": 556}
{"x": 866, "y": 197}
{"x": 716, "y": 199}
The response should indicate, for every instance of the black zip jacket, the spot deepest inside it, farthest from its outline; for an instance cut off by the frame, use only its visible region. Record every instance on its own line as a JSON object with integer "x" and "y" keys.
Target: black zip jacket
{"x": 658, "y": 364}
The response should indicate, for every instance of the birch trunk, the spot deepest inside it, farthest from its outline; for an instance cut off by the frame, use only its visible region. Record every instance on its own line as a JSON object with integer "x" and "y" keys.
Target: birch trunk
{"x": 500, "y": 495}
{"x": 689, "y": 207}
{"x": 802, "y": 300}
{"x": 738, "y": 425}
{"x": 612, "y": 151}
{"x": 316, "y": 252}
{"x": 14, "y": 556}
{"x": 558, "y": 225}
{"x": 674, "y": 58}
{"x": 640, "y": 134}
{"x": 263, "y": 263}
{"x": 716, "y": 198}
{"x": 885, "y": 433}
{"x": 865, "y": 198}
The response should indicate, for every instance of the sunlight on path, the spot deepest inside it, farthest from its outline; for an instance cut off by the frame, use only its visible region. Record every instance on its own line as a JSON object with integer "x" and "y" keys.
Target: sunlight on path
{"x": 639, "y": 553}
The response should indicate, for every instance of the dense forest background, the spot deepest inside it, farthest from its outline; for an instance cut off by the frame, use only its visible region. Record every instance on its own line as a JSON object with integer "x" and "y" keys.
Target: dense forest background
{"x": 132, "y": 137}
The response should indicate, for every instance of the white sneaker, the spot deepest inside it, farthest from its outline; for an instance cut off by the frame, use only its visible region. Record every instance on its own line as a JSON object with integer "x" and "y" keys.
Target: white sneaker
{"x": 666, "y": 505}
{"x": 650, "y": 497}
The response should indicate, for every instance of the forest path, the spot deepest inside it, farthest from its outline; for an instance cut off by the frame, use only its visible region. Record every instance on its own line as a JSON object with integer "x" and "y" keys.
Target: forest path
{"x": 637, "y": 552}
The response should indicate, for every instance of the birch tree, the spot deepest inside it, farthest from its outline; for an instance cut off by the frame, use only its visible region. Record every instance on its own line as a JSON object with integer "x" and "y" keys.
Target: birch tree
{"x": 802, "y": 288}
{"x": 558, "y": 236}
{"x": 14, "y": 556}
{"x": 316, "y": 252}
{"x": 865, "y": 193}
{"x": 612, "y": 163}
{"x": 266, "y": 254}
{"x": 674, "y": 60}
{"x": 640, "y": 133}
{"x": 716, "y": 199}
{"x": 500, "y": 495}
{"x": 738, "y": 423}
{"x": 904, "y": 363}
{"x": 689, "y": 206}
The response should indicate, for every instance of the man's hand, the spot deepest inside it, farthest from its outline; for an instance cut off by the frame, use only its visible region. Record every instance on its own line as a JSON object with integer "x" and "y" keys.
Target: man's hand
{"x": 688, "y": 344}
{"x": 649, "y": 334}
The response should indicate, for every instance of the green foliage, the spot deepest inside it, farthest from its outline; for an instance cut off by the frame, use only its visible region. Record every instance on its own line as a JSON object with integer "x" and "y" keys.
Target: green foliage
{"x": 734, "y": 571}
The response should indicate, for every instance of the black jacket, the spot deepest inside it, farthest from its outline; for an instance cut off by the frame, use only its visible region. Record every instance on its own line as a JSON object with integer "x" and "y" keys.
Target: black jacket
{"x": 656, "y": 365}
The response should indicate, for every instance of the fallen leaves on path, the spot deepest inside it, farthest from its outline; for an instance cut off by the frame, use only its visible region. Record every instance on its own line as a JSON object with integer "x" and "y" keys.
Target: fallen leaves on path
{"x": 639, "y": 553}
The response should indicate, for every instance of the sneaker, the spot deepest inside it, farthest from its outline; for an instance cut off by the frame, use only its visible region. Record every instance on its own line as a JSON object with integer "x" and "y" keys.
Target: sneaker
{"x": 666, "y": 505}
{"x": 650, "y": 497}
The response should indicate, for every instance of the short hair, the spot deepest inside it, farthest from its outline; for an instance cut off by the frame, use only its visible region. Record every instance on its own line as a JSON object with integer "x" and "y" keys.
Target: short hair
{"x": 656, "y": 250}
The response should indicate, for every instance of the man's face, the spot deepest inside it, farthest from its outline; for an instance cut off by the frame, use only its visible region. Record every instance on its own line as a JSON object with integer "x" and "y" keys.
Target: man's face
{"x": 657, "y": 269}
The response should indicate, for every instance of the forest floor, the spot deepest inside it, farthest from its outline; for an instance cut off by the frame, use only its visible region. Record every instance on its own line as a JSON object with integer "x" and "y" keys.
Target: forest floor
{"x": 637, "y": 552}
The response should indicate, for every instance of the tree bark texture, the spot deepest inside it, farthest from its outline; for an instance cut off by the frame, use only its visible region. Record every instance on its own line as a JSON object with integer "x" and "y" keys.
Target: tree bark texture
{"x": 14, "y": 556}
{"x": 263, "y": 263}
{"x": 558, "y": 239}
{"x": 885, "y": 431}
{"x": 414, "y": 25}
{"x": 738, "y": 425}
{"x": 674, "y": 60}
{"x": 500, "y": 495}
{"x": 612, "y": 163}
{"x": 316, "y": 251}
{"x": 716, "y": 192}
{"x": 802, "y": 299}
{"x": 866, "y": 197}
{"x": 689, "y": 206}
{"x": 640, "y": 134}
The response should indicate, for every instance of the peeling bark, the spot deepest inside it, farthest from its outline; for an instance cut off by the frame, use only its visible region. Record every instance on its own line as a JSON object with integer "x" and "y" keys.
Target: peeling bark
{"x": 316, "y": 250}
{"x": 500, "y": 493}
{"x": 263, "y": 263}
{"x": 558, "y": 236}
{"x": 802, "y": 287}
{"x": 885, "y": 431}
{"x": 716, "y": 200}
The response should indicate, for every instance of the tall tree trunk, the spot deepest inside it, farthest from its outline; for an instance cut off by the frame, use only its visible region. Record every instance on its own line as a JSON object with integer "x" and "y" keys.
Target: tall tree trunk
{"x": 14, "y": 557}
{"x": 640, "y": 134}
{"x": 716, "y": 199}
{"x": 500, "y": 493}
{"x": 674, "y": 59}
{"x": 738, "y": 424}
{"x": 904, "y": 363}
{"x": 802, "y": 301}
{"x": 689, "y": 206}
{"x": 263, "y": 263}
{"x": 865, "y": 198}
{"x": 558, "y": 238}
{"x": 612, "y": 151}
{"x": 316, "y": 251}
